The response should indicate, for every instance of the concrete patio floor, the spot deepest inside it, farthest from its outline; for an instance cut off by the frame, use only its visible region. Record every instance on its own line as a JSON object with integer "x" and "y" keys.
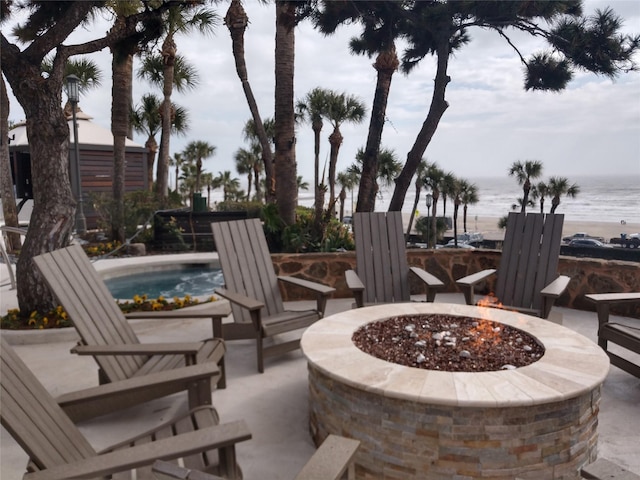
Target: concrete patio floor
{"x": 273, "y": 404}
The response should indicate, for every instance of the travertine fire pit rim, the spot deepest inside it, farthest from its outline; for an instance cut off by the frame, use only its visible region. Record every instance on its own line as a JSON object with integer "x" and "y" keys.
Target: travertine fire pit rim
{"x": 572, "y": 364}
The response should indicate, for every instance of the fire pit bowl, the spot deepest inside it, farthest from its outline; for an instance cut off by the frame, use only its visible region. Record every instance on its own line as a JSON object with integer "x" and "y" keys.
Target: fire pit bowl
{"x": 532, "y": 422}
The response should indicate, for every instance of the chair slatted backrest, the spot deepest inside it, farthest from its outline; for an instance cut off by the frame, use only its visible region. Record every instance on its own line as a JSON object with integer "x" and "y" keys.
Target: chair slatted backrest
{"x": 529, "y": 259}
{"x": 381, "y": 258}
{"x": 34, "y": 419}
{"x": 246, "y": 265}
{"x": 95, "y": 314}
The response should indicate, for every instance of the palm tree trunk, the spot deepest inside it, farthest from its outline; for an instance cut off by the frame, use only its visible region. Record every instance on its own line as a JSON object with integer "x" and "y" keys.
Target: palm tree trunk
{"x": 335, "y": 139}
{"x": 386, "y": 64}
{"x": 415, "y": 206}
{"x": 162, "y": 174}
{"x": 285, "y": 156}
{"x": 438, "y": 106}
{"x": 122, "y": 67}
{"x": 237, "y": 21}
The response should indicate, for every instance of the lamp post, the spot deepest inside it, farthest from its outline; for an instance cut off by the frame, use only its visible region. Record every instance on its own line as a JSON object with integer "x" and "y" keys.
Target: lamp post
{"x": 429, "y": 201}
{"x": 73, "y": 94}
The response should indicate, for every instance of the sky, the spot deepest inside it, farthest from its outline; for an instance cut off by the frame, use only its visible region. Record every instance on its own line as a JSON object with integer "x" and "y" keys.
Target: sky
{"x": 591, "y": 128}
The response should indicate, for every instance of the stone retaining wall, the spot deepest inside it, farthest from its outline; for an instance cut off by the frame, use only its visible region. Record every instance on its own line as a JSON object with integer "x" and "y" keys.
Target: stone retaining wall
{"x": 587, "y": 275}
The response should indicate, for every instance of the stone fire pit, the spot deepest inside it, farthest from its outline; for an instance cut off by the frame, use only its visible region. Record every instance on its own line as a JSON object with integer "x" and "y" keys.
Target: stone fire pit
{"x": 534, "y": 422}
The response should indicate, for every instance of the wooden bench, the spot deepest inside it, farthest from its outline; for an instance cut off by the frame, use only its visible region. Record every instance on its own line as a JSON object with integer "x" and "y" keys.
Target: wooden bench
{"x": 622, "y": 335}
{"x": 603, "y": 469}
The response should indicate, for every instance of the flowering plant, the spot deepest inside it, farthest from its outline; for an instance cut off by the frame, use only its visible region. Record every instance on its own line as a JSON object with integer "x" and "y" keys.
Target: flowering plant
{"x": 58, "y": 318}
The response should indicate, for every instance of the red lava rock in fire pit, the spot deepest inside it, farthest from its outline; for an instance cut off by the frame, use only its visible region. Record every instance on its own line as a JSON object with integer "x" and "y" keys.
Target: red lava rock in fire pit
{"x": 448, "y": 343}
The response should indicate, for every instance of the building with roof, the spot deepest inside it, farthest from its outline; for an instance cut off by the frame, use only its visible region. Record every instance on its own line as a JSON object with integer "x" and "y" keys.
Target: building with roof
{"x": 95, "y": 145}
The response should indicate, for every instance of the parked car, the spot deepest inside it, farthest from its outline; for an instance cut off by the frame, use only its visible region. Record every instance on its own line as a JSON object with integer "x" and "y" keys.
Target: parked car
{"x": 588, "y": 242}
{"x": 451, "y": 244}
{"x": 580, "y": 235}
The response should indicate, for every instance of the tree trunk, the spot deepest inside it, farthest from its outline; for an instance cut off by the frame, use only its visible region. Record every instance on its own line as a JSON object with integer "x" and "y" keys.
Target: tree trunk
{"x": 415, "y": 206}
{"x": 318, "y": 196}
{"x": 438, "y": 106}
{"x": 285, "y": 154}
{"x": 162, "y": 174}
{"x": 54, "y": 205}
{"x": 122, "y": 67}
{"x": 335, "y": 140}
{"x": 236, "y": 21}
{"x": 152, "y": 146}
{"x": 9, "y": 209}
{"x": 386, "y": 65}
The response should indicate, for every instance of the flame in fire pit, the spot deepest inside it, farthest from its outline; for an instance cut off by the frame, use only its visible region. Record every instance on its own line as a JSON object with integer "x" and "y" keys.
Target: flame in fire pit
{"x": 490, "y": 301}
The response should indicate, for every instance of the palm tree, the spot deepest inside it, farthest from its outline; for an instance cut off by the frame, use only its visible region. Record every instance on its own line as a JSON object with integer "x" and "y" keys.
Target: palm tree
{"x": 236, "y": 21}
{"x": 195, "y": 152}
{"x": 420, "y": 172}
{"x": 542, "y": 191}
{"x": 347, "y": 180}
{"x": 559, "y": 186}
{"x": 210, "y": 182}
{"x": 388, "y": 168}
{"x": 177, "y": 161}
{"x": 447, "y": 190}
{"x": 341, "y": 108}
{"x": 469, "y": 196}
{"x": 311, "y": 109}
{"x": 301, "y": 183}
{"x": 524, "y": 173}
{"x": 180, "y": 18}
{"x": 245, "y": 160}
{"x": 250, "y": 133}
{"x": 432, "y": 179}
{"x": 381, "y": 23}
{"x": 188, "y": 181}
{"x": 229, "y": 184}
{"x": 146, "y": 119}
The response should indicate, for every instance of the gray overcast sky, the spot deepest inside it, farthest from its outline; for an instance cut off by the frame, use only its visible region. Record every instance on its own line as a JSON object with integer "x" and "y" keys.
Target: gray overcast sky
{"x": 591, "y": 128}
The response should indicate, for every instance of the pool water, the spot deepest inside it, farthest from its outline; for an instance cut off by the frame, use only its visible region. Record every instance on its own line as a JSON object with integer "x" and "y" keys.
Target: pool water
{"x": 195, "y": 281}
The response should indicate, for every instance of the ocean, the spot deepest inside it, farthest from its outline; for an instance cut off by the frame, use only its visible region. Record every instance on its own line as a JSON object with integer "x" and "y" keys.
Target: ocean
{"x": 614, "y": 198}
{"x": 601, "y": 199}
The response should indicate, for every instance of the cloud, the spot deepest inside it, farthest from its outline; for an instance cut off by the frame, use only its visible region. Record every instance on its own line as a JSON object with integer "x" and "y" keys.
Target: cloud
{"x": 591, "y": 128}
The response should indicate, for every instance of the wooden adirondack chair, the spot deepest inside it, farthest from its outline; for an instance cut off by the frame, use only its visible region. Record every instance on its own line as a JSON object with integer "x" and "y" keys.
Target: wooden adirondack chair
{"x": 107, "y": 335}
{"x": 528, "y": 279}
{"x": 58, "y": 450}
{"x": 252, "y": 288}
{"x": 332, "y": 461}
{"x": 382, "y": 271}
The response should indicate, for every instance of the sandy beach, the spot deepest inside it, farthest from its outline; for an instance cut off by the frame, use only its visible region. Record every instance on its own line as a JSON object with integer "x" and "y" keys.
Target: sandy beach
{"x": 488, "y": 226}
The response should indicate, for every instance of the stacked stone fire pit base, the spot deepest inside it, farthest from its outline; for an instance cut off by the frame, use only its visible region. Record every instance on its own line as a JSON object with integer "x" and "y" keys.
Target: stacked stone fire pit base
{"x": 534, "y": 422}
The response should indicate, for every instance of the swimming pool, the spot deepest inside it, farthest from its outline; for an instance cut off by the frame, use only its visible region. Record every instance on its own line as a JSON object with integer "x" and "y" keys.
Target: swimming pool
{"x": 194, "y": 280}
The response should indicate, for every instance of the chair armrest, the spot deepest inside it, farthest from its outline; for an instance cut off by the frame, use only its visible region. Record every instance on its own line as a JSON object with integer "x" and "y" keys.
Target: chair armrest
{"x": 239, "y": 299}
{"x": 170, "y": 471}
{"x": 111, "y": 397}
{"x": 217, "y": 309}
{"x": 353, "y": 280}
{"x": 467, "y": 284}
{"x": 190, "y": 348}
{"x": 332, "y": 459}
{"x": 218, "y": 436}
{"x": 316, "y": 287}
{"x": 431, "y": 282}
{"x": 356, "y": 286}
{"x": 557, "y": 287}
{"x": 551, "y": 292}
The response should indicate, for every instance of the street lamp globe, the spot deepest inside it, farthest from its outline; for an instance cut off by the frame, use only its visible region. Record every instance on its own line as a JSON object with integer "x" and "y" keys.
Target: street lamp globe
{"x": 73, "y": 88}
